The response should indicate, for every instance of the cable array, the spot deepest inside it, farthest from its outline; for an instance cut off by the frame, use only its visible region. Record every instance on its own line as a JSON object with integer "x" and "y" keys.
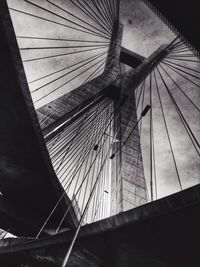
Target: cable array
{"x": 54, "y": 63}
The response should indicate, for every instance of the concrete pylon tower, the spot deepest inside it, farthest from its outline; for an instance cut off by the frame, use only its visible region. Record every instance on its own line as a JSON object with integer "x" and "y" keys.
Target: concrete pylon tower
{"x": 128, "y": 186}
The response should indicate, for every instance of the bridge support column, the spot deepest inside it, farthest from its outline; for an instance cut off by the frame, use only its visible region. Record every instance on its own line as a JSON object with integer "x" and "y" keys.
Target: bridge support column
{"x": 128, "y": 186}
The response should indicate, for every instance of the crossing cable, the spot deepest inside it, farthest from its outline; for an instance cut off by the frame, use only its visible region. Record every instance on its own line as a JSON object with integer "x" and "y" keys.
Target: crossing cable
{"x": 101, "y": 12}
{"x": 108, "y": 124}
{"x": 52, "y": 111}
{"x": 111, "y": 14}
{"x": 178, "y": 48}
{"x": 95, "y": 14}
{"x": 91, "y": 16}
{"x": 97, "y": 162}
{"x": 86, "y": 164}
{"x": 150, "y": 139}
{"x": 82, "y": 161}
{"x": 84, "y": 21}
{"x": 50, "y": 145}
{"x": 94, "y": 73}
{"x": 182, "y": 66}
{"x": 88, "y": 30}
{"x": 61, "y": 147}
{"x": 73, "y": 198}
{"x": 86, "y": 62}
{"x": 177, "y": 85}
{"x": 142, "y": 89}
{"x": 60, "y": 39}
{"x": 179, "y": 45}
{"x": 105, "y": 12}
{"x": 98, "y": 123}
{"x": 182, "y": 55}
{"x": 92, "y": 145}
{"x": 186, "y": 129}
{"x": 84, "y": 178}
{"x": 109, "y": 11}
{"x": 180, "y": 51}
{"x": 177, "y": 107}
{"x": 140, "y": 134}
{"x": 108, "y": 22}
{"x": 47, "y": 115}
{"x": 85, "y": 159}
{"x": 99, "y": 189}
{"x": 69, "y": 136}
{"x": 183, "y": 59}
{"x": 71, "y": 79}
{"x": 64, "y": 145}
{"x": 71, "y": 142}
{"x": 186, "y": 78}
{"x": 114, "y": 10}
{"x": 55, "y": 22}
{"x": 107, "y": 27}
{"x": 84, "y": 212}
{"x": 96, "y": 201}
{"x": 100, "y": 192}
{"x": 77, "y": 113}
{"x": 64, "y": 54}
{"x": 66, "y": 136}
{"x": 60, "y": 86}
{"x": 137, "y": 91}
{"x": 144, "y": 112}
{"x": 154, "y": 159}
{"x": 194, "y": 76}
{"x": 174, "y": 42}
{"x": 51, "y": 213}
{"x": 77, "y": 144}
{"x": 121, "y": 102}
{"x": 118, "y": 10}
{"x": 59, "y": 47}
{"x": 166, "y": 127}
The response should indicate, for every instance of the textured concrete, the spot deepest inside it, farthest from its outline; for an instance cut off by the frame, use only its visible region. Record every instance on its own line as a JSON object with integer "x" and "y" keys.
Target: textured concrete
{"x": 162, "y": 233}
{"x": 70, "y": 103}
{"x": 128, "y": 185}
{"x": 130, "y": 58}
{"x": 128, "y": 192}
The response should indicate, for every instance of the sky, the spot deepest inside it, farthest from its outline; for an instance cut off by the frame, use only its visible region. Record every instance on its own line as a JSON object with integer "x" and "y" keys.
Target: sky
{"x": 143, "y": 33}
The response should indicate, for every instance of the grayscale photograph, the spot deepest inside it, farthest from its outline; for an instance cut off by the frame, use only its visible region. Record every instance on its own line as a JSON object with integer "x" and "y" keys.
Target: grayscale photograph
{"x": 100, "y": 133}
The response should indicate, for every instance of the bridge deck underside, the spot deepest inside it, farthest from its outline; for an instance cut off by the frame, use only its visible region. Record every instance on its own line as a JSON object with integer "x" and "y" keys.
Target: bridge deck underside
{"x": 161, "y": 233}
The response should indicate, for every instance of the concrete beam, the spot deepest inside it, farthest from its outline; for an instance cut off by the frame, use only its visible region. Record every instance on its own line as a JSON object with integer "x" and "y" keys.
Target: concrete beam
{"x": 165, "y": 231}
{"x": 130, "y": 58}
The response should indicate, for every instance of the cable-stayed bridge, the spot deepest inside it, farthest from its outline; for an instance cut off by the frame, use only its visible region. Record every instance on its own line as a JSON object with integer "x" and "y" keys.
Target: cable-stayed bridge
{"x": 71, "y": 136}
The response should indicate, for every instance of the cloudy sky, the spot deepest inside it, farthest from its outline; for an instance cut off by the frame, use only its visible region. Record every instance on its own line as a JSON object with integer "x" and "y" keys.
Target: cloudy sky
{"x": 143, "y": 33}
